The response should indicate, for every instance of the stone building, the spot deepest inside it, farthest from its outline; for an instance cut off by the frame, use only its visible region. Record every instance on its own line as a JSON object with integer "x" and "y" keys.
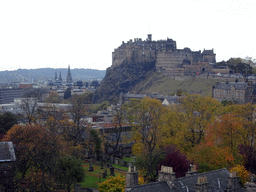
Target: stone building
{"x": 7, "y": 166}
{"x": 8, "y": 95}
{"x": 168, "y": 59}
{"x": 240, "y": 92}
{"x": 214, "y": 181}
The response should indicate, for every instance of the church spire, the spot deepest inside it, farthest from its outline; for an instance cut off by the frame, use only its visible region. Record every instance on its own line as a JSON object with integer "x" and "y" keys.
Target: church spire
{"x": 69, "y": 77}
{"x": 60, "y": 79}
{"x": 55, "y": 78}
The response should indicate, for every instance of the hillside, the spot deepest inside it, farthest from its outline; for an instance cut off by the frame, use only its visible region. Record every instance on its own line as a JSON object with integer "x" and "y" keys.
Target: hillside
{"x": 156, "y": 82}
{"x": 136, "y": 77}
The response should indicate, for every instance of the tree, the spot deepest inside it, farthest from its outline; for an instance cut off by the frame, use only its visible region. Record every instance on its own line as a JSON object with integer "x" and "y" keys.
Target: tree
{"x": 113, "y": 184}
{"x": 97, "y": 142}
{"x": 177, "y": 160}
{"x": 145, "y": 118}
{"x": 239, "y": 66}
{"x": 69, "y": 171}
{"x": 242, "y": 173}
{"x": 36, "y": 149}
{"x": 53, "y": 98}
{"x": 196, "y": 113}
{"x": 67, "y": 93}
{"x": 29, "y": 106}
{"x": 75, "y": 131}
{"x": 112, "y": 140}
{"x": 7, "y": 120}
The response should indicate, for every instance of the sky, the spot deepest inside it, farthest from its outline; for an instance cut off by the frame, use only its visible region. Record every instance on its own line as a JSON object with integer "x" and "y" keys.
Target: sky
{"x": 84, "y": 33}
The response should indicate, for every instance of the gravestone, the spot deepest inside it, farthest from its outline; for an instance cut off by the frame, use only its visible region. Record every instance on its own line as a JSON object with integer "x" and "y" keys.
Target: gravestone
{"x": 125, "y": 163}
{"x": 112, "y": 171}
{"x": 116, "y": 161}
{"x": 122, "y": 162}
{"x": 111, "y": 160}
{"x": 90, "y": 166}
{"x": 107, "y": 165}
{"x": 104, "y": 175}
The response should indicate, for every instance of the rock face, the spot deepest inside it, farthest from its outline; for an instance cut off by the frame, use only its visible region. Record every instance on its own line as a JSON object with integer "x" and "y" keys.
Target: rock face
{"x": 122, "y": 78}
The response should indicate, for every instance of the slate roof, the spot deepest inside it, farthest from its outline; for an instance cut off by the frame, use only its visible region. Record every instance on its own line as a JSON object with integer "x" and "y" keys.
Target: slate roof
{"x": 217, "y": 179}
{"x": 228, "y": 85}
{"x": 7, "y": 152}
{"x": 156, "y": 187}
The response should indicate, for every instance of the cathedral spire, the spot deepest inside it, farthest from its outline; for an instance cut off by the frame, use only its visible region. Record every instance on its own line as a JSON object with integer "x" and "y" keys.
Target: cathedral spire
{"x": 69, "y": 77}
{"x": 60, "y": 79}
{"x": 55, "y": 78}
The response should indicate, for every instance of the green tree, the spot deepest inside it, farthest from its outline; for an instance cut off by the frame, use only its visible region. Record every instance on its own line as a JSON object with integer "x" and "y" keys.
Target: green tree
{"x": 67, "y": 93}
{"x": 97, "y": 142}
{"x": 239, "y": 66}
{"x": 69, "y": 171}
{"x": 53, "y": 98}
{"x": 7, "y": 120}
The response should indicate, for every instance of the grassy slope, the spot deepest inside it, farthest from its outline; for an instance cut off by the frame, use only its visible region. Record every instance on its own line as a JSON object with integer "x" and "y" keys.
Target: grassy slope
{"x": 155, "y": 82}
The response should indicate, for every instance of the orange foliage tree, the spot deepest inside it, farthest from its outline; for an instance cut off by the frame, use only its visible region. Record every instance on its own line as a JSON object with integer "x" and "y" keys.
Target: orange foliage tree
{"x": 36, "y": 149}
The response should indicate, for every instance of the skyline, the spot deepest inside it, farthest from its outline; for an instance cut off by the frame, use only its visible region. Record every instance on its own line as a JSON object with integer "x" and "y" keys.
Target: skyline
{"x": 83, "y": 34}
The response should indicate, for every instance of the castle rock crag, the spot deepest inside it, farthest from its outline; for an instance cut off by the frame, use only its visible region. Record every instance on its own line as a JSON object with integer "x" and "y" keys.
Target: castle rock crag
{"x": 122, "y": 78}
{"x": 132, "y": 60}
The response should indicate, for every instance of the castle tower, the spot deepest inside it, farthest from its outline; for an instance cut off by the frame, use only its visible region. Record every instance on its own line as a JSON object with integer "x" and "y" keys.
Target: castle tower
{"x": 149, "y": 37}
{"x": 60, "y": 79}
{"x": 55, "y": 78}
{"x": 69, "y": 78}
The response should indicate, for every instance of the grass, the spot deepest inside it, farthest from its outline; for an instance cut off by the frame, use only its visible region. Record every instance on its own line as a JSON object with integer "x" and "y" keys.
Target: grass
{"x": 92, "y": 178}
{"x": 156, "y": 82}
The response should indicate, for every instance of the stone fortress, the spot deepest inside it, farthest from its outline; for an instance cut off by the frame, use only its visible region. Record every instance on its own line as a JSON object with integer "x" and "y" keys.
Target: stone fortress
{"x": 168, "y": 59}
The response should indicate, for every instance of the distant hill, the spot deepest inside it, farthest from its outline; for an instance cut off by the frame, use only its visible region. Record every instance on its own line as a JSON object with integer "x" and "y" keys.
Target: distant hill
{"x": 49, "y": 73}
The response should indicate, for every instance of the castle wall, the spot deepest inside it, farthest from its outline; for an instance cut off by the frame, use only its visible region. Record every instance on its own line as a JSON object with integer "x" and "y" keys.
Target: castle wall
{"x": 169, "y": 60}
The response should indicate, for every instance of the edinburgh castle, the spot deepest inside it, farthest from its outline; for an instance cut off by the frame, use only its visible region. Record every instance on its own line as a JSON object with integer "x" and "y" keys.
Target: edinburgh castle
{"x": 168, "y": 59}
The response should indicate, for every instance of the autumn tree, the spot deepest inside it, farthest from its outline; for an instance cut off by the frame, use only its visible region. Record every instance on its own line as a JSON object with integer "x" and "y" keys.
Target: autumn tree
{"x": 112, "y": 140}
{"x": 35, "y": 149}
{"x": 114, "y": 184}
{"x": 176, "y": 159}
{"x": 145, "y": 118}
{"x": 196, "y": 113}
{"x": 246, "y": 113}
{"x": 75, "y": 131}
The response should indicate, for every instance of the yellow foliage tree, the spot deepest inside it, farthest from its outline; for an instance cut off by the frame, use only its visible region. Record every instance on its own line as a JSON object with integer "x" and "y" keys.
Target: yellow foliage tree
{"x": 112, "y": 184}
{"x": 242, "y": 173}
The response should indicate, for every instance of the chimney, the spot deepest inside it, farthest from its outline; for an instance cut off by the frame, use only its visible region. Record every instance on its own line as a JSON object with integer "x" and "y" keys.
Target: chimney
{"x": 233, "y": 182}
{"x": 250, "y": 186}
{"x": 131, "y": 177}
{"x": 192, "y": 171}
{"x": 166, "y": 174}
{"x": 202, "y": 184}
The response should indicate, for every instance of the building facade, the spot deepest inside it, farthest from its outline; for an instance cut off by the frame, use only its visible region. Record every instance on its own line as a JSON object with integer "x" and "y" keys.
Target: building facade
{"x": 240, "y": 92}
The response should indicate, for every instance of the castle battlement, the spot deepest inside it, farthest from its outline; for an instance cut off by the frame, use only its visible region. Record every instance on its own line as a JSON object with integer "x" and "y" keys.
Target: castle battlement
{"x": 168, "y": 58}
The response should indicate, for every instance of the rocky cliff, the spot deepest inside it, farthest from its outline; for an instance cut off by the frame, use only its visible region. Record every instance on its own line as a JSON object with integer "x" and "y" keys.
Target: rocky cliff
{"x": 122, "y": 78}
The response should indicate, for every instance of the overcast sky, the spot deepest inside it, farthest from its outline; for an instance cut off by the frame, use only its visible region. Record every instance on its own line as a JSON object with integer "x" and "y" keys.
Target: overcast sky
{"x": 55, "y": 33}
